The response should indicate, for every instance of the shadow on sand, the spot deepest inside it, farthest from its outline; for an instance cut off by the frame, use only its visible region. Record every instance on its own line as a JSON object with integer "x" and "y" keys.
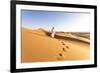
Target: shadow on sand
{"x": 63, "y": 37}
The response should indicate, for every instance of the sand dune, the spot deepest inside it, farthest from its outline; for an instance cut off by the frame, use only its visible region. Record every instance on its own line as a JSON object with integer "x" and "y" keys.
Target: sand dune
{"x": 38, "y": 46}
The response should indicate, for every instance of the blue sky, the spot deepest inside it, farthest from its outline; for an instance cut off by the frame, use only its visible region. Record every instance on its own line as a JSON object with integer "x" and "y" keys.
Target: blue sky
{"x": 62, "y": 21}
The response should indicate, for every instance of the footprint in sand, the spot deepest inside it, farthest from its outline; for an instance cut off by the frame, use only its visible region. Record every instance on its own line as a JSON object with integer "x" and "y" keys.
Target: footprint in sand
{"x": 67, "y": 47}
{"x": 64, "y": 49}
{"x": 63, "y": 43}
{"x": 61, "y": 56}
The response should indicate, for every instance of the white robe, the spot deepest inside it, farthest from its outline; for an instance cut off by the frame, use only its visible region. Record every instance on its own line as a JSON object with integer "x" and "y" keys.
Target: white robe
{"x": 52, "y": 32}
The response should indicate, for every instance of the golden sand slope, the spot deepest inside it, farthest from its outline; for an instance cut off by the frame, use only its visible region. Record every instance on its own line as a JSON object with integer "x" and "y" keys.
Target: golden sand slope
{"x": 38, "y": 46}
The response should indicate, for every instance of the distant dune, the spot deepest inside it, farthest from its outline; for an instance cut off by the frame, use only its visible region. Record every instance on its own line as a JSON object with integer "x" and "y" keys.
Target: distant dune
{"x": 38, "y": 46}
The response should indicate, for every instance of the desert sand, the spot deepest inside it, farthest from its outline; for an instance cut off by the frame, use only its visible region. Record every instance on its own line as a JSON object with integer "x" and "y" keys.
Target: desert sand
{"x": 38, "y": 46}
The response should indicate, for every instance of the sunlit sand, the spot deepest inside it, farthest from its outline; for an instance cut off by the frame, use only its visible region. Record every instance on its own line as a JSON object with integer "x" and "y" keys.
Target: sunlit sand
{"x": 38, "y": 46}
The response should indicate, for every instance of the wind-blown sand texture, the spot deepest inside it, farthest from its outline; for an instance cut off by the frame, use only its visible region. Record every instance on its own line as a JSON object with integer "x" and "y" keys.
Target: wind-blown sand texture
{"x": 38, "y": 46}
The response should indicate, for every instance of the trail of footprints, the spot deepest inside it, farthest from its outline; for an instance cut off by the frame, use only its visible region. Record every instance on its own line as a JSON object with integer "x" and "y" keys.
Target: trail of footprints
{"x": 64, "y": 49}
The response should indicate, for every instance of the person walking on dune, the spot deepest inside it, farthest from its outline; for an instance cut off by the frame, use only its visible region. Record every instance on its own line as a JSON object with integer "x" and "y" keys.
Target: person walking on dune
{"x": 52, "y": 32}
